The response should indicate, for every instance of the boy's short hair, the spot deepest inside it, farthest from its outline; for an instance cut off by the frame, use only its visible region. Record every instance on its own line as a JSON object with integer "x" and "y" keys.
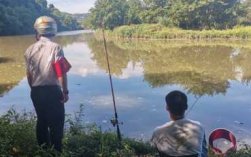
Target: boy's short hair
{"x": 177, "y": 102}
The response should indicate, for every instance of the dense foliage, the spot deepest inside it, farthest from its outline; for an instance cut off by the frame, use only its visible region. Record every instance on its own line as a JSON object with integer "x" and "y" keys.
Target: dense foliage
{"x": 186, "y": 14}
{"x": 18, "y": 16}
{"x": 158, "y": 31}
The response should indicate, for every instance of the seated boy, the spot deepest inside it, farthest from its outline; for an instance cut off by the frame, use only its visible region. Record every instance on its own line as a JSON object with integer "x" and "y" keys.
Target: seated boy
{"x": 181, "y": 136}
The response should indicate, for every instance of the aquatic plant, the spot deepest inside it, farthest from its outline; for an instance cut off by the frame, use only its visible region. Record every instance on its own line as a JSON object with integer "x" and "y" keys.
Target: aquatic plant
{"x": 158, "y": 31}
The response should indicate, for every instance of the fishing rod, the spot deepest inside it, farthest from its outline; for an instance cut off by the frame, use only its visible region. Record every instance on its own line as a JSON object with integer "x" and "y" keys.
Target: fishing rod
{"x": 193, "y": 105}
{"x": 115, "y": 122}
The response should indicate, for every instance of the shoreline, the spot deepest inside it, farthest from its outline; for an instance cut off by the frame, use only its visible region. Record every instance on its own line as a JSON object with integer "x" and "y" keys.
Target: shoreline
{"x": 160, "y": 32}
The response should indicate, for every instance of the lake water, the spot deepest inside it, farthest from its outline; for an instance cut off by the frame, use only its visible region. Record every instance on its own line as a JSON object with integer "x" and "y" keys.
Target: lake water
{"x": 217, "y": 74}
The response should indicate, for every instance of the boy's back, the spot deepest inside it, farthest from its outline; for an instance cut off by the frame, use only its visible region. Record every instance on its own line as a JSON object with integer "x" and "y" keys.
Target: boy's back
{"x": 179, "y": 138}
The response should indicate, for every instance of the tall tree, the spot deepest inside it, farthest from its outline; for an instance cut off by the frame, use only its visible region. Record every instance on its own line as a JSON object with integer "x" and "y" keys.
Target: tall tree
{"x": 18, "y": 16}
{"x": 203, "y": 14}
{"x": 133, "y": 14}
{"x": 245, "y": 13}
{"x": 111, "y": 13}
{"x": 186, "y": 14}
{"x": 153, "y": 10}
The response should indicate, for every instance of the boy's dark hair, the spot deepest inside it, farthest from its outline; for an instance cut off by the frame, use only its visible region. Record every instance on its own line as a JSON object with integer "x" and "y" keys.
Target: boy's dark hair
{"x": 177, "y": 102}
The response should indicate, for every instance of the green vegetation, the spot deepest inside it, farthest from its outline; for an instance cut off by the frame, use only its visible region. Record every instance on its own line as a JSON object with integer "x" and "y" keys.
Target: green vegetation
{"x": 17, "y": 138}
{"x": 158, "y": 31}
{"x": 18, "y": 16}
{"x": 111, "y": 13}
{"x": 192, "y": 14}
{"x": 173, "y": 19}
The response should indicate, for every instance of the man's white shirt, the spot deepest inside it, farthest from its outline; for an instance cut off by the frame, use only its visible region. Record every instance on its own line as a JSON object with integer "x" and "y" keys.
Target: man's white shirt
{"x": 40, "y": 59}
{"x": 180, "y": 138}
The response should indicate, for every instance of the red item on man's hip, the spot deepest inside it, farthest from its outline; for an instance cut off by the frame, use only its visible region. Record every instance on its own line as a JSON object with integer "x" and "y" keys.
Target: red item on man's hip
{"x": 62, "y": 66}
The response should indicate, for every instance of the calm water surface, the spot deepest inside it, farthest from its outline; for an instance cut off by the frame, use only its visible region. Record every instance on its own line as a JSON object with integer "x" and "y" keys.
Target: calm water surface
{"x": 217, "y": 74}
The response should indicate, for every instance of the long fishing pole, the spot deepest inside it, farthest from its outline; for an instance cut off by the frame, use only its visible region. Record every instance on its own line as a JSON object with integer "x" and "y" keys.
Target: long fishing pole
{"x": 114, "y": 121}
{"x": 193, "y": 105}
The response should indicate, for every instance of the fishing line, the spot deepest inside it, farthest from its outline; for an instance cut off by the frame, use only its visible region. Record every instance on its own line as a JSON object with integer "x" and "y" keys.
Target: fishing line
{"x": 193, "y": 105}
{"x": 114, "y": 120}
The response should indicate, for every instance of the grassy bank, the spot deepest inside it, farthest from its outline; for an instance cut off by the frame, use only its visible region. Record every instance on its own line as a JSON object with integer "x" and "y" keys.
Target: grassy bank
{"x": 157, "y": 31}
{"x": 17, "y": 138}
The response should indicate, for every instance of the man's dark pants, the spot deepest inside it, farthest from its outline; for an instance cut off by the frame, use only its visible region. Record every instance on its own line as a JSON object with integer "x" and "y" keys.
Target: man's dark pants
{"x": 50, "y": 115}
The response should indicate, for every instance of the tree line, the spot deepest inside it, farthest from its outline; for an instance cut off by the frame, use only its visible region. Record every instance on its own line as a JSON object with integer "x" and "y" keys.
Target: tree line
{"x": 18, "y": 16}
{"x": 186, "y": 14}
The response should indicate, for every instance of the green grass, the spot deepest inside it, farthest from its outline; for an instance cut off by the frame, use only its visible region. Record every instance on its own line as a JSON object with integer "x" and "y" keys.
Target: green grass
{"x": 17, "y": 138}
{"x": 157, "y": 31}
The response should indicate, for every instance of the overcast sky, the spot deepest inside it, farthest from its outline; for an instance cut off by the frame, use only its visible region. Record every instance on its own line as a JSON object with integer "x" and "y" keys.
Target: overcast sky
{"x": 73, "y": 6}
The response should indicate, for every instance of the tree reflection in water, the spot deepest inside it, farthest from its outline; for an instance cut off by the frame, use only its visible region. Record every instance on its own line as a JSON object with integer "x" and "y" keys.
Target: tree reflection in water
{"x": 201, "y": 67}
{"x": 12, "y": 65}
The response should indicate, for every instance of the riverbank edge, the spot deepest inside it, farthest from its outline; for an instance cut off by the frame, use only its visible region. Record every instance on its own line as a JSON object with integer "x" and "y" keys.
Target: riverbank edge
{"x": 160, "y": 32}
{"x": 17, "y": 138}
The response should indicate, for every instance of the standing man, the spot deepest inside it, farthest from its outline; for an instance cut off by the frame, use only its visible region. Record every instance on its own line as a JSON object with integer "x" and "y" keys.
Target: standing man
{"x": 181, "y": 136}
{"x": 46, "y": 73}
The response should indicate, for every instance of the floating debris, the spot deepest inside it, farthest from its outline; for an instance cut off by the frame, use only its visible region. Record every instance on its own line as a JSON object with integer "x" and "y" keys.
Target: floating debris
{"x": 239, "y": 131}
{"x": 219, "y": 119}
{"x": 104, "y": 121}
{"x": 241, "y": 123}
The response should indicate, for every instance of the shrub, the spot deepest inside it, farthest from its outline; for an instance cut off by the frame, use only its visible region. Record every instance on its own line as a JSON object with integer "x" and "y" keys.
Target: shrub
{"x": 17, "y": 138}
{"x": 159, "y": 31}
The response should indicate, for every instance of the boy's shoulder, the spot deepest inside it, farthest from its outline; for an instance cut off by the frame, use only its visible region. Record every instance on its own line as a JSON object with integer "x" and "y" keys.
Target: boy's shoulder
{"x": 164, "y": 126}
{"x": 171, "y": 124}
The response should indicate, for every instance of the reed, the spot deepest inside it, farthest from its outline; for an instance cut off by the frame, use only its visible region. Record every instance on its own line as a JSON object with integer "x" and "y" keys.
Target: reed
{"x": 157, "y": 31}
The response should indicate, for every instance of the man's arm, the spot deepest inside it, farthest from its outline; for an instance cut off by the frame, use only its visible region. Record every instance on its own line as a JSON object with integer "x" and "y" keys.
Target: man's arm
{"x": 62, "y": 66}
{"x": 64, "y": 86}
{"x": 29, "y": 78}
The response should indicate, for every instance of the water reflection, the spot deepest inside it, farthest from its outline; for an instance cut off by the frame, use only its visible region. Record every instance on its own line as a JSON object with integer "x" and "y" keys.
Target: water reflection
{"x": 201, "y": 69}
{"x": 216, "y": 72}
{"x": 144, "y": 72}
{"x": 11, "y": 61}
{"x": 12, "y": 49}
